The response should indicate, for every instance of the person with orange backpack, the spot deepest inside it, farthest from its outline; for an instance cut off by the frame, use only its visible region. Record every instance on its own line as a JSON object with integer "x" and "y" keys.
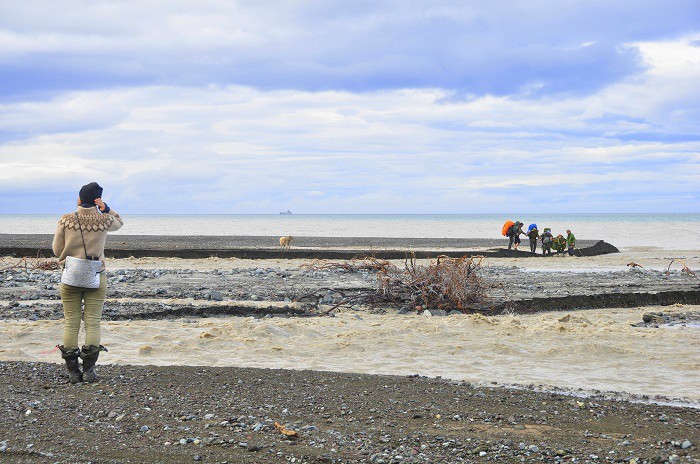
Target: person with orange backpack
{"x": 513, "y": 234}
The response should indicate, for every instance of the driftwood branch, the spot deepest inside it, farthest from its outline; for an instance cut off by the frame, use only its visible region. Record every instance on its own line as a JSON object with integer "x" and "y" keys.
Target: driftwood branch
{"x": 685, "y": 269}
{"x": 446, "y": 283}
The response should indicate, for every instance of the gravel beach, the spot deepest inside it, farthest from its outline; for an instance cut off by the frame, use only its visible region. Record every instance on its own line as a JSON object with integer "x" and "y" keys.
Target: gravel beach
{"x": 187, "y": 414}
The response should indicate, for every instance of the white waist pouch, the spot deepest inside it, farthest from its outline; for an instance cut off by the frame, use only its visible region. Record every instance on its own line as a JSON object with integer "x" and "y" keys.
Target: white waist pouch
{"x": 79, "y": 272}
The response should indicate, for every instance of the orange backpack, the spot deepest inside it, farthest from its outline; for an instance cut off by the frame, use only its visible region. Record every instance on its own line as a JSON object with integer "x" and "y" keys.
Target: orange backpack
{"x": 506, "y": 226}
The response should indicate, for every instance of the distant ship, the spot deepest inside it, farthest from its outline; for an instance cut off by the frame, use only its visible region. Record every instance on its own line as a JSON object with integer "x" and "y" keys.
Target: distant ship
{"x": 285, "y": 212}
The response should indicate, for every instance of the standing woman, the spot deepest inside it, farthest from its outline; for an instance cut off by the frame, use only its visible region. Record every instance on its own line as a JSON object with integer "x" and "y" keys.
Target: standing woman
{"x": 82, "y": 235}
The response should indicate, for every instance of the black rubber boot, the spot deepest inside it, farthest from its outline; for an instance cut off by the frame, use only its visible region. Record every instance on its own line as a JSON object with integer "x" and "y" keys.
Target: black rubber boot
{"x": 89, "y": 354}
{"x": 72, "y": 364}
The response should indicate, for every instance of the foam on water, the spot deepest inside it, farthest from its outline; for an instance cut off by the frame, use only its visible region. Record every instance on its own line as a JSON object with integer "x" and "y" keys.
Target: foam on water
{"x": 595, "y": 349}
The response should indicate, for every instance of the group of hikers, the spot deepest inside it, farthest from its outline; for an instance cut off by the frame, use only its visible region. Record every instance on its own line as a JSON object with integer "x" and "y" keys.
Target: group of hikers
{"x": 558, "y": 244}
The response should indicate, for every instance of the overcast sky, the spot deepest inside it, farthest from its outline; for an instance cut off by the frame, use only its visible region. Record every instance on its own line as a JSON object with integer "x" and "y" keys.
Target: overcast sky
{"x": 351, "y": 106}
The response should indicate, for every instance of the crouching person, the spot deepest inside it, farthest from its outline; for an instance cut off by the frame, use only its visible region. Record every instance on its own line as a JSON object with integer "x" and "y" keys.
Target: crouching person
{"x": 559, "y": 244}
{"x": 79, "y": 244}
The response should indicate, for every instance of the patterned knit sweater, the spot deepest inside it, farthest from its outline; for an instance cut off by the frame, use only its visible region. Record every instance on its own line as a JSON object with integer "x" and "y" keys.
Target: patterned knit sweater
{"x": 95, "y": 225}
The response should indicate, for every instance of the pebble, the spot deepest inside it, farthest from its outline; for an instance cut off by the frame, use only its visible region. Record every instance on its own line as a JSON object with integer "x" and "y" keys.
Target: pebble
{"x": 534, "y": 448}
{"x": 145, "y": 428}
{"x": 686, "y": 444}
{"x": 3, "y": 446}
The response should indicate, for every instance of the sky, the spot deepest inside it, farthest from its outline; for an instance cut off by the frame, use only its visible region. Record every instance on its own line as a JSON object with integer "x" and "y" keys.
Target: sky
{"x": 351, "y": 106}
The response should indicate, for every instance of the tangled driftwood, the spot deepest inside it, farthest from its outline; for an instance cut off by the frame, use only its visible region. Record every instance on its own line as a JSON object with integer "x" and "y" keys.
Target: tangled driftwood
{"x": 27, "y": 264}
{"x": 446, "y": 283}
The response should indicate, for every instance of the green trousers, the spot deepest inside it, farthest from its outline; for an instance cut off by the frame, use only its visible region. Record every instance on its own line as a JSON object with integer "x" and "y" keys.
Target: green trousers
{"x": 73, "y": 299}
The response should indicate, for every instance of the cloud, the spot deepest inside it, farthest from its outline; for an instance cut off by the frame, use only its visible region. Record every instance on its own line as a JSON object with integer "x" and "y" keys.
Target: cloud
{"x": 500, "y": 48}
{"x": 374, "y": 107}
{"x": 241, "y": 149}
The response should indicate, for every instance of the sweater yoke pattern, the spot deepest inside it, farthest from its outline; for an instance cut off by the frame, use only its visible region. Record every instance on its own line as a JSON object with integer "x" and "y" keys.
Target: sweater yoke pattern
{"x": 95, "y": 222}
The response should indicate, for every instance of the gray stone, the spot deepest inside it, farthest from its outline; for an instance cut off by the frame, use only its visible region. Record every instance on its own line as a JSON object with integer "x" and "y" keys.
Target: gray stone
{"x": 655, "y": 318}
{"x": 216, "y": 296}
{"x": 686, "y": 444}
{"x": 328, "y": 298}
{"x": 434, "y": 312}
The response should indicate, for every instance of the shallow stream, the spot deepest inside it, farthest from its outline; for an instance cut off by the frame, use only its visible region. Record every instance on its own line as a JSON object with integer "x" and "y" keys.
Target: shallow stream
{"x": 592, "y": 349}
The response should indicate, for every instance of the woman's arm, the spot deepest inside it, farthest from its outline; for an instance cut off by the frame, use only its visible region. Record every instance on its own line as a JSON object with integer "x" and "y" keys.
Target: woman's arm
{"x": 59, "y": 241}
{"x": 117, "y": 222}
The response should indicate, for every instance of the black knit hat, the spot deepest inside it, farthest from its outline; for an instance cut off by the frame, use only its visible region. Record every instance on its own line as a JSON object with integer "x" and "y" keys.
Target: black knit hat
{"x": 89, "y": 193}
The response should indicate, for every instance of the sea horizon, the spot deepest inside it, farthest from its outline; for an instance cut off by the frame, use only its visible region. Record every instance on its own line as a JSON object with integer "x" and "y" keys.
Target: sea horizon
{"x": 661, "y": 230}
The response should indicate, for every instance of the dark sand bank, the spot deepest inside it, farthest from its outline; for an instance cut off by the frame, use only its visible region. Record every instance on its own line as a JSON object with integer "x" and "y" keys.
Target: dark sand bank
{"x": 262, "y": 247}
{"x": 139, "y": 414}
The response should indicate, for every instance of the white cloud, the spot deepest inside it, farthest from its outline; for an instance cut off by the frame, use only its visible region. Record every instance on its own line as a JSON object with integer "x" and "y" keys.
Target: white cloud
{"x": 201, "y": 149}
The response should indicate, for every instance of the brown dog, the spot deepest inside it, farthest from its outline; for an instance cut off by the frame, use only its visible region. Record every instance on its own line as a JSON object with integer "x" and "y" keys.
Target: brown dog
{"x": 285, "y": 242}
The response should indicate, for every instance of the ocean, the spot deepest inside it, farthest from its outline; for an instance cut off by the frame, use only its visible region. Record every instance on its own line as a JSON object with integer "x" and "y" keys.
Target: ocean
{"x": 677, "y": 231}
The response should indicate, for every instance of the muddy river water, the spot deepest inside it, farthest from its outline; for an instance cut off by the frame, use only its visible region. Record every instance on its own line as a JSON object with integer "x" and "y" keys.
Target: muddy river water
{"x": 591, "y": 349}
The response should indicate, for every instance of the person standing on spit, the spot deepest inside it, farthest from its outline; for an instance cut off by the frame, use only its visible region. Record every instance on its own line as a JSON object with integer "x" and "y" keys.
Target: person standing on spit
{"x": 533, "y": 234}
{"x": 514, "y": 235}
{"x": 570, "y": 242}
{"x": 78, "y": 234}
{"x": 547, "y": 238}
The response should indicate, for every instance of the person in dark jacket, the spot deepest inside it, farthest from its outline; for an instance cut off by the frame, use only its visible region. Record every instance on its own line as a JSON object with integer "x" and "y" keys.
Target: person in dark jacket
{"x": 547, "y": 239}
{"x": 533, "y": 234}
{"x": 514, "y": 235}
